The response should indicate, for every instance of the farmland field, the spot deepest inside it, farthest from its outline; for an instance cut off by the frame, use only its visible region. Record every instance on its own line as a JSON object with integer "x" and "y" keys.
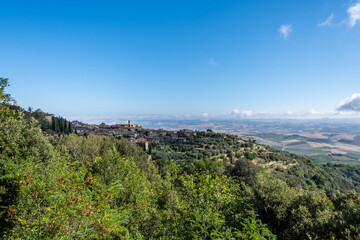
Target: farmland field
{"x": 321, "y": 147}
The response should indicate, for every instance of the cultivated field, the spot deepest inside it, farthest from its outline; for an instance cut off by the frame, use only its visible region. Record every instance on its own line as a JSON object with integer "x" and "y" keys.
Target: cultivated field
{"x": 321, "y": 147}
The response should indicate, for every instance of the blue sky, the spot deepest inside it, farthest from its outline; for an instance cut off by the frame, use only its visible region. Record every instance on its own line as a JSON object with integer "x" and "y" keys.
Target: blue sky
{"x": 186, "y": 58}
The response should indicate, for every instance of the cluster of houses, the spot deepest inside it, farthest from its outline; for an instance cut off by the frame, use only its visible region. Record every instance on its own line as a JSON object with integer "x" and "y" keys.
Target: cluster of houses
{"x": 133, "y": 132}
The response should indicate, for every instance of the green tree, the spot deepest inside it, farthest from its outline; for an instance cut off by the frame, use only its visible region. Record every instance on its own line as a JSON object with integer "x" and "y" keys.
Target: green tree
{"x": 211, "y": 209}
{"x": 5, "y": 98}
{"x": 243, "y": 170}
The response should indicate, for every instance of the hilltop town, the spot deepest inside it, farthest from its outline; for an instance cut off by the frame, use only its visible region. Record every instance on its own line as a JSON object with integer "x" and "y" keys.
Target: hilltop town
{"x": 133, "y": 132}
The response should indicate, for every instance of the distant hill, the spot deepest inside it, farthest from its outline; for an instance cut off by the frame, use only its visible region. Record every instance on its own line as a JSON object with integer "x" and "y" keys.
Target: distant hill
{"x": 339, "y": 148}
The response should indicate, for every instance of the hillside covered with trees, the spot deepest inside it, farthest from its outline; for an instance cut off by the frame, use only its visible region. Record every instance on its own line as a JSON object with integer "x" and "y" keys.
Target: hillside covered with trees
{"x": 213, "y": 186}
{"x": 226, "y": 153}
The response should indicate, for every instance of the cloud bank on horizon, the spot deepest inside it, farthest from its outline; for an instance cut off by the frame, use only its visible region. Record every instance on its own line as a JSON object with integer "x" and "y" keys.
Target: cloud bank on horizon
{"x": 347, "y": 108}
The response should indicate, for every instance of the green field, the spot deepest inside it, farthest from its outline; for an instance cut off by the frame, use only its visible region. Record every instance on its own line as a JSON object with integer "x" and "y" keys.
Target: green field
{"x": 353, "y": 155}
{"x": 321, "y": 150}
{"x": 272, "y": 137}
{"x": 296, "y": 143}
{"x": 277, "y": 147}
{"x": 301, "y": 146}
{"x": 324, "y": 159}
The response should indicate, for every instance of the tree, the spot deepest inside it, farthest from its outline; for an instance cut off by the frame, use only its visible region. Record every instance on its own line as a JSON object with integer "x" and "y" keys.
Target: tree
{"x": 250, "y": 155}
{"x": 20, "y": 141}
{"x": 30, "y": 109}
{"x": 211, "y": 209}
{"x": 243, "y": 170}
{"x": 5, "y": 98}
{"x": 53, "y": 123}
{"x": 69, "y": 130}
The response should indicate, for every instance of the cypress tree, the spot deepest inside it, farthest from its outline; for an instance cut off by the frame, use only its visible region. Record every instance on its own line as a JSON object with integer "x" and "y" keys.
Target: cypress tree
{"x": 64, "y": 125}
{"x": 57, "y": 128}
{"x": 52, "y": 123}
{"x": 61, "y": 125}
{"x": 70, "y": 130}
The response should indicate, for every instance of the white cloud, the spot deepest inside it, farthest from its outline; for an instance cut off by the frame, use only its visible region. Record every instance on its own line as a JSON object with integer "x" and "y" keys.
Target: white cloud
{"x": 235, "y": 111}
{"x": 350, "y": 104}
{"x": 327, "y": 22}
{"x": 235, "y": 114}
{"x": 305, "y": 114}
{"x": 245, "y": 113}
{"x": 212, "y": 61}
{"x": 341, "y": 23}
{"x": 285, "y": 31}
{"x": 354, "y": 14}
{"x": 313, "y": 112}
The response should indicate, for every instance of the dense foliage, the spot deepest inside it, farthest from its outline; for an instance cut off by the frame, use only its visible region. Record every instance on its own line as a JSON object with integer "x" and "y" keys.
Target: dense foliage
{"x": 72, "y": 187}
{"x": 227, "y": 153}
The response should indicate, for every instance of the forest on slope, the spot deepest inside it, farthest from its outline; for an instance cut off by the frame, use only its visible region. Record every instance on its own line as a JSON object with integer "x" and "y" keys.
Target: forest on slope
{"x": 70, "y": 187}
{"x": 227, "y": 152}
